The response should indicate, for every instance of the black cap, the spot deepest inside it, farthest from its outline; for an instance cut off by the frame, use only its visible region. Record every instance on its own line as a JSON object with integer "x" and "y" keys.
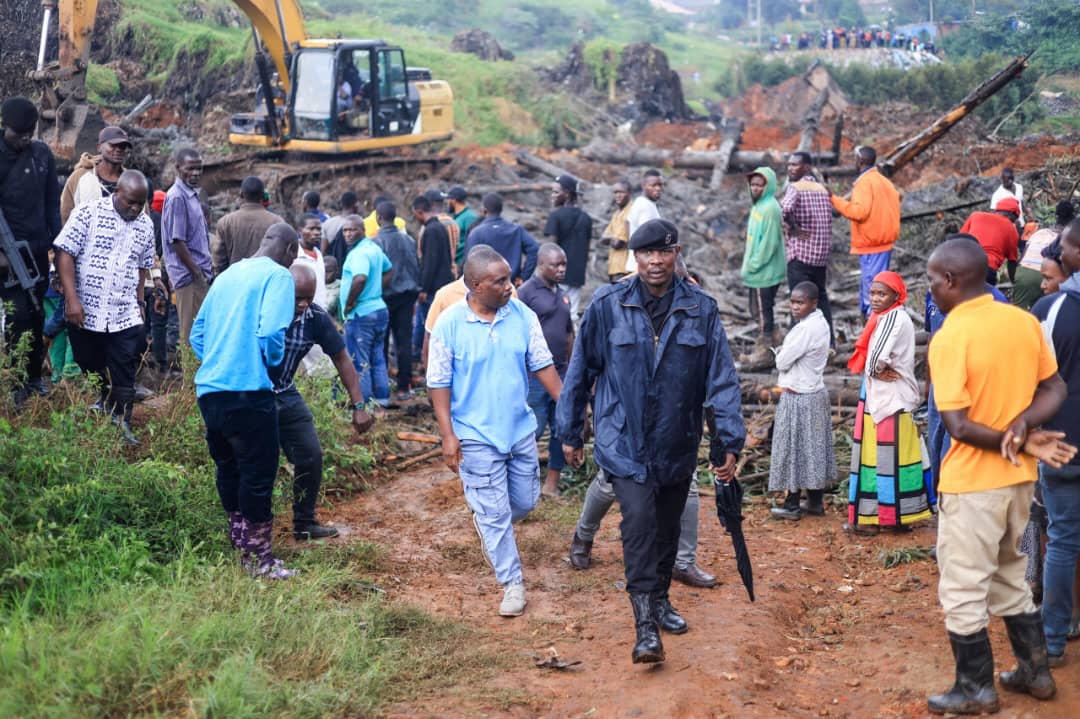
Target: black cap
{"x": 435, "y": 195}
{"x": 18, "y": 114}
{"x": 457, "y": 193}
{"x": 654, "y": 235}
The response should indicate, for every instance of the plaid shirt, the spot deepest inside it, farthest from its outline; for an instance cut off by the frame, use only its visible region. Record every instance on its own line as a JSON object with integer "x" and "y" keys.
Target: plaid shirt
{"x": 806, "y": 206}
{"x": 314, "y": 327}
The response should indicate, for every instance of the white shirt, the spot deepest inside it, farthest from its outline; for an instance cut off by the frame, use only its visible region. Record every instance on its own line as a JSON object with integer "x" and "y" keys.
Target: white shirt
{"x": 319, "y": 267}
{"x": 1033, "y": 258}
{"x": 1001, "y": 193}
{"x": 892, "y": 344}
{"x": 641, "y": 211}
{"x": 802, "y": 358}
{"x": 109, "y": 251}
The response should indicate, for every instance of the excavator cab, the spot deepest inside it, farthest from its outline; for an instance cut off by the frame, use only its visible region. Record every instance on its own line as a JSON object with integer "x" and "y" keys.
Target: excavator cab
{"x": 352, "y": 95}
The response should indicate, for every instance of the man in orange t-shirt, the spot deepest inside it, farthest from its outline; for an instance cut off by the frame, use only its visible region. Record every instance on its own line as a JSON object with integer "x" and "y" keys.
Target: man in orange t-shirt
{"x": 997, "y": 235}
{"x": 990, "y": 402}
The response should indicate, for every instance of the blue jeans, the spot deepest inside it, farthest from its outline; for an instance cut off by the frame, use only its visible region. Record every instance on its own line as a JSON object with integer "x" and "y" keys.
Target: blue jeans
{"x": 869, "y": 266}
{"x": 500, "y": 489}
{"x": 1061, "y": 495}
{"x": 937, "y": 438}
{"x": 418, "y": 326}
{"x": 365, "y": 338}
{"x": 543, "y": 406}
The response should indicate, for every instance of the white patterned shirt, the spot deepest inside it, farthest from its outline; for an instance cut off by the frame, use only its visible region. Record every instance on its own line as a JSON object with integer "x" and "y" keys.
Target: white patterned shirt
{"x": 109, "y": 252}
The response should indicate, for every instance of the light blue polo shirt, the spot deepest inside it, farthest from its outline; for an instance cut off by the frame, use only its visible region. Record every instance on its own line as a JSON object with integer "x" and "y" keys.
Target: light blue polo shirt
{"x": 486, "y": 366}
{"x": 369, "y": 260}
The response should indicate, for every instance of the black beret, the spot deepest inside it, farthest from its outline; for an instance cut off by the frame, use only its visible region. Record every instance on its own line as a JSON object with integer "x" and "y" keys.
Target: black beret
{"x": 19, "y": 114}
{"x": 654, "y": 235}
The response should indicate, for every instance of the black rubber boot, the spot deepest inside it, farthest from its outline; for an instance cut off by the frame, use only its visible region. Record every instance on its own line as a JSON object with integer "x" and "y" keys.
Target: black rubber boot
{"x": 648, "y": 649}
{"x": 1032, "y": 673}
{"x": 973, "y": 692}
{"x": 666, "y": 617}
{"x": 580, "y": 552}
{"x": 815, "y": 502}
{"x": 312, "y": 530}
{"x": 789, "y": 509}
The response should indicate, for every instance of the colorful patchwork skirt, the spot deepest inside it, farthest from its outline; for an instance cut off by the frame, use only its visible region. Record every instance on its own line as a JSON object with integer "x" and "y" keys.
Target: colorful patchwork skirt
{"x": 890, "y": 482}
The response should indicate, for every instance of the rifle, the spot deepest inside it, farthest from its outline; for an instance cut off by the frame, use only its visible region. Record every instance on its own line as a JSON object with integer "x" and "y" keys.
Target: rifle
{"x": 22, "y": 270}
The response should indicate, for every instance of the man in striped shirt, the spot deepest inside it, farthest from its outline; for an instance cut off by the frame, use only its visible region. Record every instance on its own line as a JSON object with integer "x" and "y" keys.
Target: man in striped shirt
{"x": 311, "y": 326}
{"x": 807, "y": 209}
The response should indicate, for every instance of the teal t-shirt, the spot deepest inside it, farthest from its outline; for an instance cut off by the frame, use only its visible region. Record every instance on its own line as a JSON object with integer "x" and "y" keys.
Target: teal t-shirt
{"x": 367, "y": 260}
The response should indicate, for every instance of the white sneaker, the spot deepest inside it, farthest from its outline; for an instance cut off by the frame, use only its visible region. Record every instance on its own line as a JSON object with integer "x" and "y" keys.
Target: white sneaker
{"x": 513, "y": 603}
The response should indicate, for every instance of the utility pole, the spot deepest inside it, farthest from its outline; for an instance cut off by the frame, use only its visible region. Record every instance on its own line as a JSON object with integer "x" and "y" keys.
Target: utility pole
{"x": 931, "y": 12}
{"x": 759, "y": 23}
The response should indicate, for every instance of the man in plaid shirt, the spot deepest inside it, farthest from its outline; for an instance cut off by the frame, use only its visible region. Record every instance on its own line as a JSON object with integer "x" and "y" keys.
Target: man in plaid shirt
{"x": 808, "y": 221}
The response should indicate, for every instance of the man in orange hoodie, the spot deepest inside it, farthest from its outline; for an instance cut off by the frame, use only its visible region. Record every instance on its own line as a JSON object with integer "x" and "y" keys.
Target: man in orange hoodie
{"x": 874, "y": 211}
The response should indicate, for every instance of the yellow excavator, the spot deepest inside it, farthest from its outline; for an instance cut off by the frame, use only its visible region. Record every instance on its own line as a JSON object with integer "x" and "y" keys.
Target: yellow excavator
{"x": 330, "y": 96}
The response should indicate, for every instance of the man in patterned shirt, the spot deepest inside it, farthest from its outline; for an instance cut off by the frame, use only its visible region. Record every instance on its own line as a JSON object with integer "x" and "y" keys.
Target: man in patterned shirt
{"x": 807, "y": 208}
{"x": 488, "y": 430}
{"x": 311, "y": 326}
{"x": 104, "y": 255}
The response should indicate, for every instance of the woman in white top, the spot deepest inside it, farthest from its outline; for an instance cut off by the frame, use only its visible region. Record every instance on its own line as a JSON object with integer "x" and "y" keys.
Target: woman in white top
{"x": 802, "y": 446}
{"x": 889, "y": 484}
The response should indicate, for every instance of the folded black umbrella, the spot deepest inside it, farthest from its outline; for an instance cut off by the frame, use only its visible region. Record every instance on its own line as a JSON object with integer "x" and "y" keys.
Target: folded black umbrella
{"x": 729, "y": 509}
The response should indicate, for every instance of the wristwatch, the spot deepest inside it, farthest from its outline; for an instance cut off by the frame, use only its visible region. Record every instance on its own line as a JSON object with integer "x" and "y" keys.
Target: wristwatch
{"x": 359, "y": 405}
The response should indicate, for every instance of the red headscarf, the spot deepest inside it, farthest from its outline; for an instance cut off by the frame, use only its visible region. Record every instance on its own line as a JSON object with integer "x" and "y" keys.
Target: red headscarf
{"x": 157, "y": 202}
{"x": 894, "y": 282}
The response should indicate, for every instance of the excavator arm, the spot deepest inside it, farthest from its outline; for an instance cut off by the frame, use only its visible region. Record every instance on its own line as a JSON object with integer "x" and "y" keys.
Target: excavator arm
{"x": 279, "y": 24}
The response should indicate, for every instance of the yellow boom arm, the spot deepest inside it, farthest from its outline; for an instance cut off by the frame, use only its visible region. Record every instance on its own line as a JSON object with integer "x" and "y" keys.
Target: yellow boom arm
{"x": 280, "y": 24}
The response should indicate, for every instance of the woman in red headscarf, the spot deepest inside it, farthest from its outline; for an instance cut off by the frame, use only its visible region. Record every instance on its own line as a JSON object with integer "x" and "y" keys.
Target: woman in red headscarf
{"x": 889, "y": 482}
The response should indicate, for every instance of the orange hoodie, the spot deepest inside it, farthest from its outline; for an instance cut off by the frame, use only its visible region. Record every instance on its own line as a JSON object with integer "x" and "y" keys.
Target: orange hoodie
{"x": 874, "y": 211}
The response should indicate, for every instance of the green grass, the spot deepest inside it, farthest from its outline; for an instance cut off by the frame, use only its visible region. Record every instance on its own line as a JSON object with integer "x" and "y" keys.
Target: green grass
{"x": 102, "y": 84}
{"x": 119, "y": 594}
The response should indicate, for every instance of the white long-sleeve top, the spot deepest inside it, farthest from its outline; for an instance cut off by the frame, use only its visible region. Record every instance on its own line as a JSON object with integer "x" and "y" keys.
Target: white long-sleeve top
{"x": 802, "y": 357}
{"x": 892, "y": 345}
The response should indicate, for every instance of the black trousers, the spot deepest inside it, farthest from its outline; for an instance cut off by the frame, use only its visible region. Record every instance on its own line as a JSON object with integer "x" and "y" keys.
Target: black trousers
{"x": 401, "y": 327}
{"x": 242, "y": 436}
{"x": 798, "y": 271}
{"x": 300, "y": 442}
{"x": 762, "y": 300}
{"x": 114, "y": 358}
{"x": 23, "y": 318}
{"x": 650, "y": 531}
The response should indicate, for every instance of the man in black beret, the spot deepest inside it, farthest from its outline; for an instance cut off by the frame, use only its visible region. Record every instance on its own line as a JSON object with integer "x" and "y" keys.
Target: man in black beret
{"x": 656, "y": 352}
{"x": 30, "y": 203}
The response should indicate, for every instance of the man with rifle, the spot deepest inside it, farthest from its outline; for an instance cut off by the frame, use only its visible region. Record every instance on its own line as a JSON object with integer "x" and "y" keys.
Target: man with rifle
{"x": 29, "y": 221}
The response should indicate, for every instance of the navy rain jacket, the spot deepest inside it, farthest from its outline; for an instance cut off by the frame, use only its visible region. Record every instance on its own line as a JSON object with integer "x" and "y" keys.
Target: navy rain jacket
{"x": 651, "y": 390}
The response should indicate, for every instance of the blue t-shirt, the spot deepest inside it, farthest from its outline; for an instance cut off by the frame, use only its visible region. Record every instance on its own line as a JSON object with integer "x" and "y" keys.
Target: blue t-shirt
{"x": 486, "y": 366}
{"x": 240, "y": 329}
{"x": 366, "y": 259}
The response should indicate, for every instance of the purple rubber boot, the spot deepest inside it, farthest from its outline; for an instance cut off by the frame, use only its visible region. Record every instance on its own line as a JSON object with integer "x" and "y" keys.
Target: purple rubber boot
{"x": 258, "y": 554}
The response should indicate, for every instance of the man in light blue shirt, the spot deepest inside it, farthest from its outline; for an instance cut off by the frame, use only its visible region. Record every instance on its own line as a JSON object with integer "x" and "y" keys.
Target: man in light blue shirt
{"x": 480, "y": 355}
{"x": 366, "y": 273}
{"x": 238, "y": 334}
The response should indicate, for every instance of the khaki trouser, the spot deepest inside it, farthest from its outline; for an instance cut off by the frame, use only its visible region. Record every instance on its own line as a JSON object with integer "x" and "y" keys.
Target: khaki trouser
{"x": 981, "y": 568}
{"x": 188, "y": 301}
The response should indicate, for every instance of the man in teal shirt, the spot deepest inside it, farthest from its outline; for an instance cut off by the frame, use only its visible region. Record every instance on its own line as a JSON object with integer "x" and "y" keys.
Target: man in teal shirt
{"x": 238, "y": 334}
{"x": 464, "y": 216}
{"x": 366, "y": 273}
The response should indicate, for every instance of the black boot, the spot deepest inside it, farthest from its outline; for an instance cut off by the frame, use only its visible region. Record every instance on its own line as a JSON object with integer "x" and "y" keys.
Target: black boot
{"x": 648, "y": 649}
{"x": 312, "y": 530}
{"x": 1032, "y": 673}
{"x": 973, "y": 692}
{"x": 815, "y": 502}
{"x": 789, "y": 509}
{"x": 580, "y": 552}
{"x": 666, "y": 617}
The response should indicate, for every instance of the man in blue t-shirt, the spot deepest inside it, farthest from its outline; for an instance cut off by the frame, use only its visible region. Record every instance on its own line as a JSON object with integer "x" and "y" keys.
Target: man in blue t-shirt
{"x": 238, "y": 334}
{"x": 480, "y": 355}
{"x": 366, "y": 273}
{"x": 311, "y": 326}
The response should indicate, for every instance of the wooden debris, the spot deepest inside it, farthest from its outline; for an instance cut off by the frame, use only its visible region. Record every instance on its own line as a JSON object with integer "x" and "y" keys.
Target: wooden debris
{"x": 418, "y": 437}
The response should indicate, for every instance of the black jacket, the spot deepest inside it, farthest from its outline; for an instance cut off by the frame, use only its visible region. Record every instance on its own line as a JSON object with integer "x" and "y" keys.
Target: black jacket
{"x": 30, "y": 197}
{"x": 651, "y": 390}
{"x": 435, "y": 261}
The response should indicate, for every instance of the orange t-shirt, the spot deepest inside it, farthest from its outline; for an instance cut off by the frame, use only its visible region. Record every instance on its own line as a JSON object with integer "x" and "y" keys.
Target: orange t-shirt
{"x": 988, "y": 358}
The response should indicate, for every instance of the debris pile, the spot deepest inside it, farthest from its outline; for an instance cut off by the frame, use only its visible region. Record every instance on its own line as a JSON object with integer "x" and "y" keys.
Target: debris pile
{"x": 480, "y": 43}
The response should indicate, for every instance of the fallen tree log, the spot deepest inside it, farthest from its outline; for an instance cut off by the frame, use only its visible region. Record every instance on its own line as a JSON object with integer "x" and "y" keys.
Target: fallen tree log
{"x": 732, "y": 134}
{"x": 811, "y": 120}
{"x": 914, "y": 146}
{"x": 630, "y": 154}
{"x": 541, "y": 165}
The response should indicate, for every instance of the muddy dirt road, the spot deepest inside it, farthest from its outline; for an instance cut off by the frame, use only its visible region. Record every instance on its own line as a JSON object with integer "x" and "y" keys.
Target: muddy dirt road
{"x": 832, "y": 634}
